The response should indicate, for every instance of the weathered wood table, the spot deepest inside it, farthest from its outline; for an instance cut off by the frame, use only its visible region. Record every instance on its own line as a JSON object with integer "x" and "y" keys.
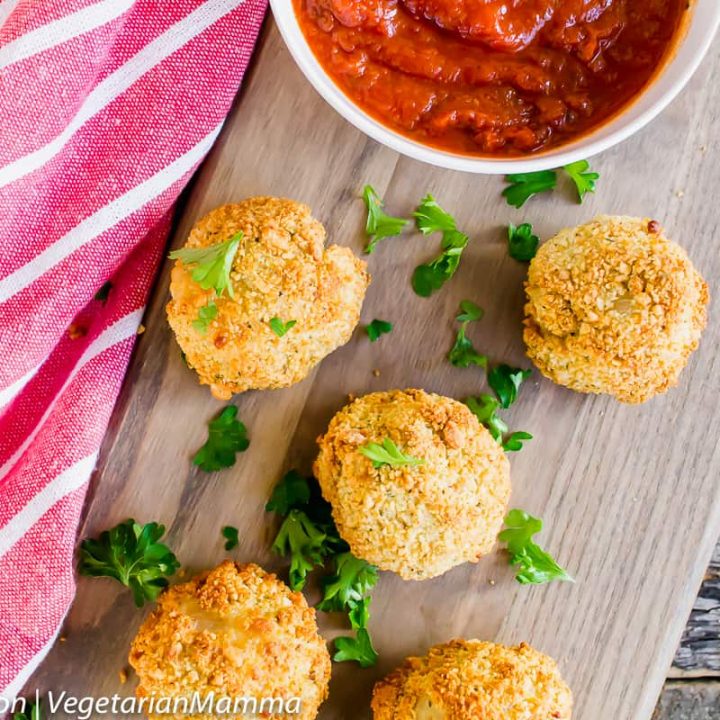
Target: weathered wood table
{"x": 629, "y": 494}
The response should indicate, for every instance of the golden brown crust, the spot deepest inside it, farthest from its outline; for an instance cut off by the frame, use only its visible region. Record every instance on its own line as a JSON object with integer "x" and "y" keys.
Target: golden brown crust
{"x": 416, "y": 521}
{"x": 614, "y": 307}
{"x": 282, "y": 270}
{"x": 237, "y": 631}
{"x": 472, "y": 679}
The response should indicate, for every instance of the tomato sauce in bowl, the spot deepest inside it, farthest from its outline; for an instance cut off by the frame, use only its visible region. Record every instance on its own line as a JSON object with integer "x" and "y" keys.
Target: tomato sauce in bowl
{"x": 491, "y": 77}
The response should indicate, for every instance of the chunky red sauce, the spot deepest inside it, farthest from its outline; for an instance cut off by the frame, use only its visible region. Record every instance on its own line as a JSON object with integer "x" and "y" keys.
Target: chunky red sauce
{"x": 491, "y": 77}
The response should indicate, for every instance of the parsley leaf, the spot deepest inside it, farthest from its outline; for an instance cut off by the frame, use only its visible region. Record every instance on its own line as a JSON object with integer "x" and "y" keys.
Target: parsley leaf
{"x": 377, "y": 328}
{"x": 230, "y": 534}
{"x": 430, "y": 217}
{"x": 359, "y": 614}
{"x": 293, "y": 491}
{"x": 205, "y": 316}
{"x": 306, "y": 543}
{"x": 485, "y": 408}
{"x": 522, "y": 244}
{"x": 131, "y": 554}
{"x": 352, "y": 580}
{"x": 522, "y": 186}
{"x": 506, "y": 381}
{"x": 211, "y": 265}
{"x": 32, "y": 711}
{"x": 387, "y": 454}
{"x": 514, "y": 442}
{"x": 535, "y": 566}
{"x": 226, "y": 437}
{"x": 358, "y": 648}
{"x": 463, "y": 354}
{"x": 584, "y": 180}
{"x": 379, "y": 225}
{"x": 104, "y": 291}
{"x": 279, "y": 327}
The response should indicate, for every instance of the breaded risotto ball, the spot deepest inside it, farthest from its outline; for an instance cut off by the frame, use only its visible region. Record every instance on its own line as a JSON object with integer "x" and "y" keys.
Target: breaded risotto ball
{"x": 237, "y": 631}
{"x": 614, "y": 307}
{"x": 466, "y": 679}
{"x": 440, "y": 507}
{"x": 282, "y": 273}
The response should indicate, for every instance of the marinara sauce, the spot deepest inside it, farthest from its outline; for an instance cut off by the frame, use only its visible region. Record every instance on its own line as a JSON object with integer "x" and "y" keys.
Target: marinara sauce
{"x": 491, "y": 77}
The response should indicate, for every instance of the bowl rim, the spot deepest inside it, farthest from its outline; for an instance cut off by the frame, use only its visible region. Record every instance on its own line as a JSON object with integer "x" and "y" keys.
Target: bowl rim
{"x": 583, "y": 148}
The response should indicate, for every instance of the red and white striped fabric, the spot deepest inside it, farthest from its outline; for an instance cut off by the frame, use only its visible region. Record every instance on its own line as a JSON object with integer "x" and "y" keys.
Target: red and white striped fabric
{"x": 106, "y": 109}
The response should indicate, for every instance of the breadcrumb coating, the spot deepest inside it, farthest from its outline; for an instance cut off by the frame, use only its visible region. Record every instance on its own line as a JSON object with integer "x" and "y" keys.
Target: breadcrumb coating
{"x": 237, "y": 631}
{"x": 466, "y": 679}
{"x": 282, "y": 270}
{"x": 418, "y": 521}
{"x": 614, "y": 307}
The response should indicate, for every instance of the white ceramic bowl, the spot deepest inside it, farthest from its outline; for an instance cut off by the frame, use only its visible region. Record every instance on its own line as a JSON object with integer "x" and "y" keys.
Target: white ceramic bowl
{"x": 673, "y": 77}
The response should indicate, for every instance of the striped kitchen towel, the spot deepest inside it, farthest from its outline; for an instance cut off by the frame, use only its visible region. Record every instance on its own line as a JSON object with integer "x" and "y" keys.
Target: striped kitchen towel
{"x": 106, "y": 109}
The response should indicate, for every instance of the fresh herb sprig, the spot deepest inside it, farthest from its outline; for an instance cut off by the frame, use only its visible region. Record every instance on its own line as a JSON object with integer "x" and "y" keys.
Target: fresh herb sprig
{"x": 132, "y": 554}
{"x": 431, "y": 218}
{"x": 379, "y": 225}
{"x": 210, "y": 269}
{"x": 583, "y": 178}
{"x": 535, "y": 565}
{"x": 309, "y": 536}
{"x": 522, "y": 243}
{"x": 505, "y": 382}
{"x": 377, "y": 328}
{"x": 227, "y": 436}
{"x": 463, "y": 353}
{"x": 231, "y": 535}
{"x": 31, "y": 711}
{"x": 523, "y": 186}
{"x": 279, "y": 327}
{"x": 387, "y": 453}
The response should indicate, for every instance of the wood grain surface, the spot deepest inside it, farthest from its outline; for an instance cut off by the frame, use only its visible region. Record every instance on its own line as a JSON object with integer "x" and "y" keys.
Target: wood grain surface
{"x": 629, "y": 494}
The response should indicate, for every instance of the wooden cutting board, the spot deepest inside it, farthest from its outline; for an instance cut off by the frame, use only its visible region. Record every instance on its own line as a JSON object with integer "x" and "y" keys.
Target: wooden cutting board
{"x": 629, "y": 494}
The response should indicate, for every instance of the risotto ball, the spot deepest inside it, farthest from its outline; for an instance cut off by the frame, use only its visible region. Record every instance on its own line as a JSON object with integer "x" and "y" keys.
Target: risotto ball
{"x": 441, "y": 506}
{"x": 614, "y": 307}
{"x": 239, "y": 632}
{"x": 471, "y": 679}
{"x": 281, "y": 274}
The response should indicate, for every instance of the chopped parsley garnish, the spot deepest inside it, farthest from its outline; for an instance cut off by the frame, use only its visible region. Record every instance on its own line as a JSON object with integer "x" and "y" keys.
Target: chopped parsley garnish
{"x": 387, "y": 453}
{"x": 358, "y": 648}
{"x": 211, "y": 265}
{"x": 31, "y": 711}
{"x": 293, "y": 491}
{"x": 430, "y": 218}
{"x": 131, "y": 554}
{"x": 349, "y": 585}
{"x": 226, "y": 437}
{"x": 583, "y": 178}
{"x": 308, "y": 534}
{"x": 522, "y": 244}
{"x": 485, "y": 408}
{"x": 306, "y": 543}
{"x": 377, "y": 328}
{"x": 279, "y": 327}
{"x": 379, "y": 225}
{"x": 104, "y": 291}
{"x": 514, "y": 441}
{"x": 535, "y": 566}
{"x": 463, "y": 354}
{"x": 230, "y": 534}
{"x": 522, "y": 186}
{"x": 206, "y": 315}
{"x": 506, "y": 381}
